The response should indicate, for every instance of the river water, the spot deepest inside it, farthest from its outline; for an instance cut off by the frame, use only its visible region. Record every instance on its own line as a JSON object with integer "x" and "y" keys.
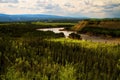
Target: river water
{"x": 84, "y": 36}
{"x": 57, "y": 30}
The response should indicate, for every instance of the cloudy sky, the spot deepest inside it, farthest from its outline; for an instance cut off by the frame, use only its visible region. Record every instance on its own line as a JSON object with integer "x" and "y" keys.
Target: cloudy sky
{"x": 76, "y": 8}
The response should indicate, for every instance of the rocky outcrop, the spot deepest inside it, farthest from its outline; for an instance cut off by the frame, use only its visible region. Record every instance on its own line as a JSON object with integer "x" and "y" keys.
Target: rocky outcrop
{"x": 74, "y": 36}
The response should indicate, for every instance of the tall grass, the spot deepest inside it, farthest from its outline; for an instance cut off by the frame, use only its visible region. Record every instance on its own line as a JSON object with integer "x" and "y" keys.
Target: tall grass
{"x": 58, "y": 59}
{"x": 41, "y": 56}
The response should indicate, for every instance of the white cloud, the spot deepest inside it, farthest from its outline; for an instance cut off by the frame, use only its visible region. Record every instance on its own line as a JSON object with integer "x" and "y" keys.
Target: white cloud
{"x": 8, "y": 1}
{"x": 90, "y": 8}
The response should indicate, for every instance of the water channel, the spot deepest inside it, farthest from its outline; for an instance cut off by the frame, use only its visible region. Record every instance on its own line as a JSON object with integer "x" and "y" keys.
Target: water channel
{"x": 84, "y": 36}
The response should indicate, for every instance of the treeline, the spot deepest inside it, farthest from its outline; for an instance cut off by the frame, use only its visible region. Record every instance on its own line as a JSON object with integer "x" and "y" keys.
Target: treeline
{"x": 67, "y": 20}
{"x": 102, "y": 19}
{"x": 36, "y": 24}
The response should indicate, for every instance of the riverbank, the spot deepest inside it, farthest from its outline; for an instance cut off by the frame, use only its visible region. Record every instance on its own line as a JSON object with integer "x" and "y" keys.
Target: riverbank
{"x": 85, "y": 37}
{"x": 100, "y": 39}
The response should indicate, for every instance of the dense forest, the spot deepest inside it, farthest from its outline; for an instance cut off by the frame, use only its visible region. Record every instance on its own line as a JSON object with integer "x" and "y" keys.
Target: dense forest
{"x": 28, "y": 54}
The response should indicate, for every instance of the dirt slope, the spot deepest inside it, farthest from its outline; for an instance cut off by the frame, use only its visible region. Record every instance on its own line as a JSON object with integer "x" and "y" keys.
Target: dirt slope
{"x": 102, "y": 24}
{"x": 80, "y": 25}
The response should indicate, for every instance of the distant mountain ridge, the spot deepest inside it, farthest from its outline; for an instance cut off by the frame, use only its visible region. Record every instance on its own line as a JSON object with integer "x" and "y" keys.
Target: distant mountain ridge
{"x": 32, "y": 17}
{"x": 29, "y": 17}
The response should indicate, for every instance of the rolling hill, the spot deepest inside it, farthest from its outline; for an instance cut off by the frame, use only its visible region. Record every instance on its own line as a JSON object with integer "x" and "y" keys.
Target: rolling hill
{"x": 100, "y": 27}
{"x": 108, "y": 24}
{"x": 34, "y": 17}
{"x": 28, "y": 17}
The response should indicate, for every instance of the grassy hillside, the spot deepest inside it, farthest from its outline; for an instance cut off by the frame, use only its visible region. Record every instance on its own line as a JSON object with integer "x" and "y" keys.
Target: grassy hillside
{"x": 99, "y": 27}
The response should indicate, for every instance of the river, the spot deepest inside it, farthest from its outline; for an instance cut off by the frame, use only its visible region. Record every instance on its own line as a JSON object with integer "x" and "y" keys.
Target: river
{"x": 84, "y": 36}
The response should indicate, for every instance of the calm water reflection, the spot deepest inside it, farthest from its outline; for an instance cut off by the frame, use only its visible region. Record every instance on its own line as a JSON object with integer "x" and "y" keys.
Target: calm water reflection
{"x": 57, "y": 30}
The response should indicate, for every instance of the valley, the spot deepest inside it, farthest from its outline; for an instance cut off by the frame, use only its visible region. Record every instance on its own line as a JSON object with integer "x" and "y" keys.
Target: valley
{"x": 29, "y": 52}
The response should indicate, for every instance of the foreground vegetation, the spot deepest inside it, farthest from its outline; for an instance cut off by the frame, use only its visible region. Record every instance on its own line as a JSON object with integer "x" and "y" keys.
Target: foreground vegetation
{"x": 27, "y": 54}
